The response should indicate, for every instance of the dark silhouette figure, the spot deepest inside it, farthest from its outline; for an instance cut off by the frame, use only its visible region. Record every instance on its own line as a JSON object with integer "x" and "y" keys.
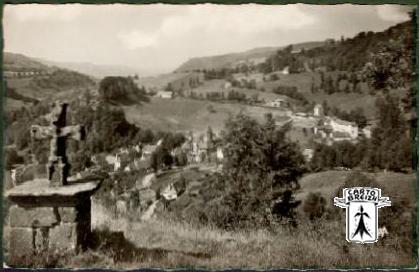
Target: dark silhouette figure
{"x": 361, "y": 229}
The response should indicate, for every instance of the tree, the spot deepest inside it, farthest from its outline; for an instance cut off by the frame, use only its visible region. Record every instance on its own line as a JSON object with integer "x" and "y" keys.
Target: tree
{"x": 391, "y": 137}
{"x": 161, "y": 158}
{"x": 121, "y": 90}
{"x": 261, "y": 170}
{"x": 169, "y": 87}
{"x": 108, "y": 129}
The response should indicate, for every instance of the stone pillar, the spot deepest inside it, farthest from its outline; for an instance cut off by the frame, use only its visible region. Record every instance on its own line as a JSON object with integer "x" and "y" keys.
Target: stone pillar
{"x": 49, "y": 219}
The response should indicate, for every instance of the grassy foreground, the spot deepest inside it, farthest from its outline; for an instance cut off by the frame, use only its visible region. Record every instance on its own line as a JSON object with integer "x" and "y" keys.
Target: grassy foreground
{"x": 124, "y": 243}
{"x": 165, "y": 244}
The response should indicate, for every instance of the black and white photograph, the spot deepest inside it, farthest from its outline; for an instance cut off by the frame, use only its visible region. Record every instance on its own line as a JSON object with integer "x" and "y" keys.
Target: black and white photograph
{"x": 209, "y": 136}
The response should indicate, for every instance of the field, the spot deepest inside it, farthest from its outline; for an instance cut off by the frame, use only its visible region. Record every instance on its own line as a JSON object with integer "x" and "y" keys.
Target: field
{"x": 24, "y": 87}
{"x": 395, "y": 185}
{"x": 182, "y": 114}
{"x": 123, "y": 243}
{"x": 161, "y": 81}
{"x": 216, "y": 85}
{"x": 345, "y": 102}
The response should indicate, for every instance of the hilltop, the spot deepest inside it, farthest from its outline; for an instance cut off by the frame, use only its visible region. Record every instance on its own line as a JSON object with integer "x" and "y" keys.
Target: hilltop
{"x": 19, "y": 62}
{"x": 29, "y": 80}
{"x": 97, "y": 71}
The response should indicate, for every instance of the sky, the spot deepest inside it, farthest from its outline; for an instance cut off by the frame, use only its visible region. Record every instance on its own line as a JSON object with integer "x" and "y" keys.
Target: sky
{"x": 158, "y": 38}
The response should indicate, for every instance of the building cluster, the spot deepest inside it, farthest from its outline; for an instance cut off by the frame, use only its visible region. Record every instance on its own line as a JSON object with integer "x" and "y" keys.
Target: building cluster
{"x": 320, "y": 128}
{"x": 326, "y": 129}
{"x": 203, "y": 148}
{"x": 280, "y": 102}
{"x": 332, "y": 129}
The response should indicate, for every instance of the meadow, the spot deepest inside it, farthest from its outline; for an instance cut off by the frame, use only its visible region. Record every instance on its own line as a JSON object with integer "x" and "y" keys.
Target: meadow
{"x": 184, "y": 114}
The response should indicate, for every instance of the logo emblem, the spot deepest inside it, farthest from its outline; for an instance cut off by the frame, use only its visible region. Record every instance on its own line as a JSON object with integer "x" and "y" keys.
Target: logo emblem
{"x": 361, "y": 204}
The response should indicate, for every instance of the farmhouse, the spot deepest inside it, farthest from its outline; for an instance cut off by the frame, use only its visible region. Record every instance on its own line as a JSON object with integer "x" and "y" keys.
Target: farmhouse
{"x": 286, "y": 71}
{"x": 147, "y": 151}
{"x": 227, "y": 85}
{"x": 279, "y": 103}
{"x": 366, "y": 132}
{"x": 164, "y": 94}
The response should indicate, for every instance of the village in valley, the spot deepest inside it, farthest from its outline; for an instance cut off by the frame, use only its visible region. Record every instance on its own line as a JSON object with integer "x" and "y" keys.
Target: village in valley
{"x": 226, "y": 153}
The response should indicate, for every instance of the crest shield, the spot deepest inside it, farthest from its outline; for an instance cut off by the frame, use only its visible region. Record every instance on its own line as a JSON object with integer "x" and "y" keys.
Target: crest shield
{"x": 362, "y": 204}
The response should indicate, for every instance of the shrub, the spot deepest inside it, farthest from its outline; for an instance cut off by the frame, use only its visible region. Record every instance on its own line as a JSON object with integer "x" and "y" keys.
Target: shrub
{"x": 314, "y": 206}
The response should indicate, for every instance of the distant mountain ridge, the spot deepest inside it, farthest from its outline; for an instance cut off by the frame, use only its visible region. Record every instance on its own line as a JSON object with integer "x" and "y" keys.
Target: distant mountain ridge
{"x": 29, "y": 80}
{"x": 94, "y": 70}
{"x": 229, "y": 60}
{"x": 20, "y": 62}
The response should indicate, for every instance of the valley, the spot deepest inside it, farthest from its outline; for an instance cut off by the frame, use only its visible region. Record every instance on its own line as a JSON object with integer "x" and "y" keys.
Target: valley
{"x": 231, "y": 160}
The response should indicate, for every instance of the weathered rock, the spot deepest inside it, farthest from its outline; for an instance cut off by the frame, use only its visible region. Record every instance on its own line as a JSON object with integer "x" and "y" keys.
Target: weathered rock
{"x": 32, "y": 217}
{"x": 46, "y": 218}
{"x": 21, "y": 242}
{"x": 40, "y": 239}
{"x": 121, "y": 207}
{"x": 29, "y": 172}
{"x": 68, "y": 214}
{"x": 63, "y": 237}
{"x": 40, "y": 188}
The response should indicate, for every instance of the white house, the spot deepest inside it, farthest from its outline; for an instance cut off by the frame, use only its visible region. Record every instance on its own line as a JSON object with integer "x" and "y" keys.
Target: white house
{"x": 227, "y": 85}
{"x": 286, "y": 71}
{"x": 318, "y": 110}
{"x": 342, "y": 126}
{"x": 308, "y": 154}
{"x": 366, "y": 131}
{"x": 164, "y": 94}
{"x": 278, "y": 103}
{"x": 220, "y": 154}
{"x": 113, "y": 160}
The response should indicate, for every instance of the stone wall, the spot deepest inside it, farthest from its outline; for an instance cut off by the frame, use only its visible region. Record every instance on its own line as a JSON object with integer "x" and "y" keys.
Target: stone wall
{"x": 53, "y": 229}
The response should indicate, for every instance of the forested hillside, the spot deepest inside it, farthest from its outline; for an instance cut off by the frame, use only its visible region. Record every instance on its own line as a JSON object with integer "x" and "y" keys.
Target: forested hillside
{"x": 252, "y": 56}
{"x": 347, "y": 54}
